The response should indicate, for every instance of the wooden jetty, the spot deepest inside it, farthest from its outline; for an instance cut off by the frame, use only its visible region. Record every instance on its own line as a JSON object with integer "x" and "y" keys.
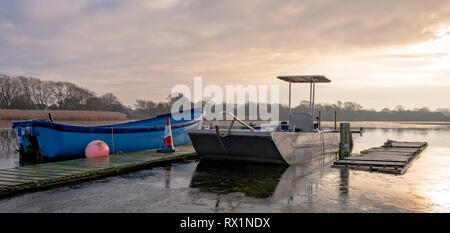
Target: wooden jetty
{"x": 393, "y": 157}
{"x": 43, "y": 176}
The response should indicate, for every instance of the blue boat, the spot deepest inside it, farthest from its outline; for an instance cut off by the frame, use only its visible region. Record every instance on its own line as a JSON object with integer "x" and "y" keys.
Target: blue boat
{"x": 42, "y": 140}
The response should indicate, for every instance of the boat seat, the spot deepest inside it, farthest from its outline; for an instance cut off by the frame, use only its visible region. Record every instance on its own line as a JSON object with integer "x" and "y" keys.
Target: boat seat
{"x": 301, "y": 122}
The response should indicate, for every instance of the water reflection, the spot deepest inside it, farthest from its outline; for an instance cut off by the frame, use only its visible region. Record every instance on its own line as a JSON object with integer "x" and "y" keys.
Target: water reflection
{"x": 225, "y": 177}
{"x": 168, "y": 176}
{"x": 232, "y": 182}
{"x": 344, "y": 176}
{"x": 300, "y": 182}
{"x": 8, "y": 143}
{"x": 9, "y": 157}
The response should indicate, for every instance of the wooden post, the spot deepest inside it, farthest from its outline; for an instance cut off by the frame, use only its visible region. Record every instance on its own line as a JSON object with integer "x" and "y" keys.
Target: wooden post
{"x": 319, "y": 120}
{"x": 335, "y": 120}
{"x": 344, "y": 145}
{"x": 289, "y": 98}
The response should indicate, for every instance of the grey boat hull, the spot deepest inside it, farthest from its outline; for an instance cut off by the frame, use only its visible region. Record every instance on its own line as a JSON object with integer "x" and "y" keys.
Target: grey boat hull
{"x": 264, "y": 146}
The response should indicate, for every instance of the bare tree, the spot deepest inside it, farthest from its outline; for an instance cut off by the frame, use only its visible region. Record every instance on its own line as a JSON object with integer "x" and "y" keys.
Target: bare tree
{"x": 24, "y": 85}
{"x": 8, "y": 89}
{"x": 60, "y": 93}
{"x": 109, "y": 99}
{"x": 41, "y": 93}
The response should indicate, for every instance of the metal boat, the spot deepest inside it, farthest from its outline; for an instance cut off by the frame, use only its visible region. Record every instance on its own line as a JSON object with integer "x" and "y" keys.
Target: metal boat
{"x": 298, "y": 141}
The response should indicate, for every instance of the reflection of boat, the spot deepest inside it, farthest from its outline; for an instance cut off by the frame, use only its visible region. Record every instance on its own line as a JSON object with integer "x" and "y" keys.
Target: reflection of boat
{"x": 298, "y": 142}
{"x": 41, "y": 140}
{"x": 224, "y": 177}
{"x": 299, "y": 179}
{"x": 259, "y": 180}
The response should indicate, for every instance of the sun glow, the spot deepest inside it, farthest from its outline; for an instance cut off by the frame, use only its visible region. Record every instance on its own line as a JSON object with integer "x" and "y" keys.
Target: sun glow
{"x": 426, "y": 63}
{"x": 435, "y": 52}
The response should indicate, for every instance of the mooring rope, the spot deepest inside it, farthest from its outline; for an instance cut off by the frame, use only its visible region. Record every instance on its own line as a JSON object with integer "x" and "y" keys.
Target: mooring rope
{"x": 228, "y": 132}
{"x": 112, "y": 139}
{"x": 231, "y": 125}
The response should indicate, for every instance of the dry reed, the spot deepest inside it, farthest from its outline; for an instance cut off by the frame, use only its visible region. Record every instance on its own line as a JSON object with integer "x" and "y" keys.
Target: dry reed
{"x": 61, "y": 115}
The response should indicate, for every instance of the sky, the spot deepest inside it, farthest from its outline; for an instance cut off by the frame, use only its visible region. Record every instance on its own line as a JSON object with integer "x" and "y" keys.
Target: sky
{"x": 377, "y": 53}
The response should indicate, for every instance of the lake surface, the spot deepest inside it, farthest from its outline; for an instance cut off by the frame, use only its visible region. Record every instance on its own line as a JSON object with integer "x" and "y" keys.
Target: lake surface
{"x": 205, "y": 186}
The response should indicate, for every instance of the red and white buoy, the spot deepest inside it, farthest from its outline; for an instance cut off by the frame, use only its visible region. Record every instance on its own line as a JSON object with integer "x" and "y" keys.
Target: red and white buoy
{"x": 167, "y": 143}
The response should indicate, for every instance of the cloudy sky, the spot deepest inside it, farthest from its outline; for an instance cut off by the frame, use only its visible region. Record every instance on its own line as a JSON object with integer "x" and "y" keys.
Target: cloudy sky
{"x": 378, "y": 53}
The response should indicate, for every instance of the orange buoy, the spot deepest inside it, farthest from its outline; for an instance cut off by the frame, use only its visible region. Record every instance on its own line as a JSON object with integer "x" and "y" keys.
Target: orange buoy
{"x": 96, "y": 148}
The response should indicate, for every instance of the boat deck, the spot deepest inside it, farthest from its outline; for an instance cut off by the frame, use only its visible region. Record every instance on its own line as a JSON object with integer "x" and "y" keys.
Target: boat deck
{"x": 43, "y": 176}
{"x": 393, "y": 157}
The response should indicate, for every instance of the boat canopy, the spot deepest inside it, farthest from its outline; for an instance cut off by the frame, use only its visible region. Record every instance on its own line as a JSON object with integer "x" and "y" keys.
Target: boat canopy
{"x": 305, "y": 78}
{"x": 312, "y": 80}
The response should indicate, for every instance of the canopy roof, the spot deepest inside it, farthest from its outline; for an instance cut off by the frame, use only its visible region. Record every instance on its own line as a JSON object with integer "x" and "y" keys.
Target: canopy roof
{"x": 305, "y": 78}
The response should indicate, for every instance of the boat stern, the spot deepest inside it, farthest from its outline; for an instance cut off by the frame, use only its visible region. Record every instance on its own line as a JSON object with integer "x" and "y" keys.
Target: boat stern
{"x": 29, "y": 151}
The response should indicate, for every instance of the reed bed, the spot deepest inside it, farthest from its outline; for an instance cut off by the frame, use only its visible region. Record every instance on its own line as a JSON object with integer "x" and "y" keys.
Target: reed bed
{"x": 61, "y": 115}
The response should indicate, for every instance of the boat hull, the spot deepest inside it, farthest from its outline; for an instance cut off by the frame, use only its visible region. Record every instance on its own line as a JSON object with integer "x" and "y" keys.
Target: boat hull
{"x": 265, "y": 147}
{"x": 239, "y": 145}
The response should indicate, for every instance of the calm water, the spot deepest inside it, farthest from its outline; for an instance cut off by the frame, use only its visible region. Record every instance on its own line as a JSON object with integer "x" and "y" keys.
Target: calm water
{"x": 203, "y": 186}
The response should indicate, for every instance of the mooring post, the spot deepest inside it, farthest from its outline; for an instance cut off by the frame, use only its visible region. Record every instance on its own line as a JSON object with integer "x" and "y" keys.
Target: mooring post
{"x": 335, "y": 120}
{"x": 319, "y": 121}
{"x": 344, "y": 145}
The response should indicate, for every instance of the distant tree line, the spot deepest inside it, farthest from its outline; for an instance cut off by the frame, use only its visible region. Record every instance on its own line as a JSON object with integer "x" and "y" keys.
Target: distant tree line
{"x": 31, "y": 93}
{"x": 351, "y": 111}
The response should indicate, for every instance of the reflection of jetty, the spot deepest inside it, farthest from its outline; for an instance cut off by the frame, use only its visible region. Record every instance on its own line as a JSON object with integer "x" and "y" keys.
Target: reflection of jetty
{"x": 392, "y": 157}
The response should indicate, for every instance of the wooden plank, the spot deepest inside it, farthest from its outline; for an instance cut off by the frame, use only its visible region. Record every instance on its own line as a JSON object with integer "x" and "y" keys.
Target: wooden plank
{"x": 10, "y": 183}
{"x": 16, "y": 179}
{"x": 381, "y": 156}
{"x": 64, "y": 170}
{"x": 131, "y": 159}
{"x": 136, "y": 158}
{"x": 382, "y": 163}
{"x": 23, "y": 177}
{"x": 377, "y": 158}
{"x": 49, "y": 170}
{"x": 28, "y": 173}
{"x": 391, "y": 149}
{"x": 94, "y": 161}
{"x": 390, "y": 153}
{"x": 87, "y": 164}
{"x": 391, "y": 170}
{"x": 67, "y": 168}
{"x": 408, "y": 144}
{"x": 80, "y": 166}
